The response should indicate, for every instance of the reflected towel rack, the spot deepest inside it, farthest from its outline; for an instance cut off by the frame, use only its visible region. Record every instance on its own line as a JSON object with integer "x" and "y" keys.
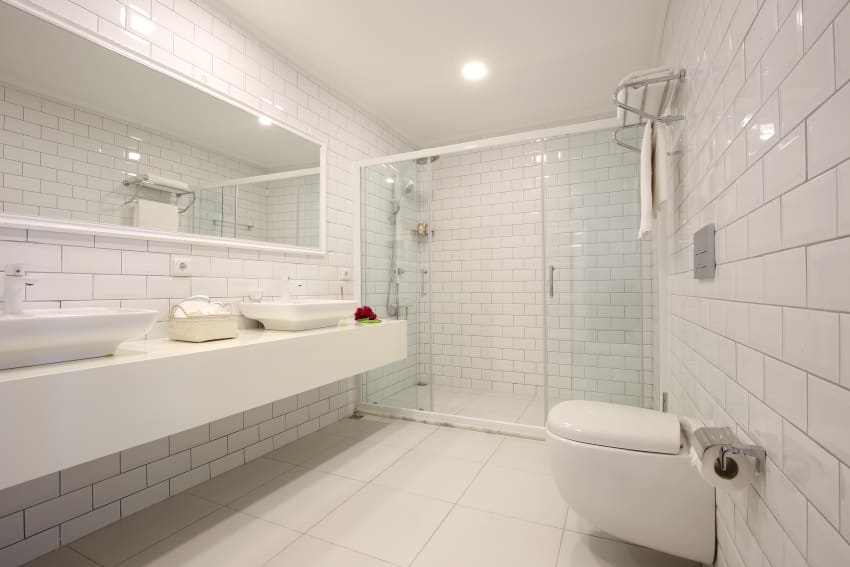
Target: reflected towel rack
{"x": 247, "y": 227}
{"x": 635, "y": 115}
{"x": 141, "y": 183}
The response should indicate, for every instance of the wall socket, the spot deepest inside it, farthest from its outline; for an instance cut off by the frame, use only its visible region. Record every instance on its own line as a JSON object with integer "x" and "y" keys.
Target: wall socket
{"x": 181, "y": 266}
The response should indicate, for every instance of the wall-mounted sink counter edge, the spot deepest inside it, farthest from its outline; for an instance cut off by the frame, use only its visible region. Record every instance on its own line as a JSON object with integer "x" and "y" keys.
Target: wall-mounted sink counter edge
{"x": 59, "y": 415}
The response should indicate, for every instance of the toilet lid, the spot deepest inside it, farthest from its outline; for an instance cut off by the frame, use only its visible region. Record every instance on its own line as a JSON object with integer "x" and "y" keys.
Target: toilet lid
{"x": 613, "y": 425}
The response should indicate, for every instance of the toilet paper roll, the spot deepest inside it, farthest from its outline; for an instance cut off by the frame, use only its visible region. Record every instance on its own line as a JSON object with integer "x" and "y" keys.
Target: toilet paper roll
{"x": 740, "y": 469}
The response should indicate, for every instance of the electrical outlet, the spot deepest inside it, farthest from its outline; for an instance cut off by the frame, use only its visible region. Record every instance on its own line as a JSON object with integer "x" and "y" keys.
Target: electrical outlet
{"x": 344, "y": 274}
{"x": 181, "y": 266}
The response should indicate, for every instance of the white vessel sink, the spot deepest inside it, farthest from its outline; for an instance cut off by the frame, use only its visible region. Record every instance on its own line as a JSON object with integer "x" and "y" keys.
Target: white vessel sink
{"x": 42, "y": 336}
{"x": 301, "y": 314}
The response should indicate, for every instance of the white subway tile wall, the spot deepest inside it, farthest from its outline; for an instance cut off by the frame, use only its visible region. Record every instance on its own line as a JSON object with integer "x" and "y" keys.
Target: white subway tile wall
{"x": 84, "y": 498}
{"x": 106, "y": 270}
{"x": 64, "y": 162}
{"x": 768, "y": 359}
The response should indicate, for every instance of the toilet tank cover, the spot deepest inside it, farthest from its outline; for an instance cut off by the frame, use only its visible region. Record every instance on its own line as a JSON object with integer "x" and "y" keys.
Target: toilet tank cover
{"x": 613, "y": 425}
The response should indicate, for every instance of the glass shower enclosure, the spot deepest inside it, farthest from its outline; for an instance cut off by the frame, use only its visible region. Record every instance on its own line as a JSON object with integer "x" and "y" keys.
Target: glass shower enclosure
{"x": 518, "y": 269}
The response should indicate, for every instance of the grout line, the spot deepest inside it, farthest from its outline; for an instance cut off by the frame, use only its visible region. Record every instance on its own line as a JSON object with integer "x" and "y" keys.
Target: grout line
{"x": 455, "y": 504}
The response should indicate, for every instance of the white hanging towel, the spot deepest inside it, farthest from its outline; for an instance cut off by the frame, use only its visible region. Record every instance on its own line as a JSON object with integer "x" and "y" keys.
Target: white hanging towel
{"x": 660, "y": 173}
{"x": 646, "y": 182}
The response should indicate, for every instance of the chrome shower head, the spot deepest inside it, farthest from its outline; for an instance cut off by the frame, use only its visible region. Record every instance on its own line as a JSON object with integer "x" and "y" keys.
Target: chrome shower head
{"x": 424, "y": 160}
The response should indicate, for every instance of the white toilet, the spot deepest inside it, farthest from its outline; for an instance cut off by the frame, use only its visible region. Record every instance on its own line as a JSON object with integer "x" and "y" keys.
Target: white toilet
{"x": 627, "y": 470}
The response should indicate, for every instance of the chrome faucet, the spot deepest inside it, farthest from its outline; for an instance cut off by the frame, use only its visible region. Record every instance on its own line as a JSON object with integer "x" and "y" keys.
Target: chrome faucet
{"x": 14, "y": 284}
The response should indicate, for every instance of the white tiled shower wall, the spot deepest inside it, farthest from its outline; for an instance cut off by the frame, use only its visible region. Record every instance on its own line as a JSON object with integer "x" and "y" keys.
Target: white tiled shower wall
{"x": 488, "y": 271}
{"x": 195, "y": 40}
{"x": 765, "y": 347}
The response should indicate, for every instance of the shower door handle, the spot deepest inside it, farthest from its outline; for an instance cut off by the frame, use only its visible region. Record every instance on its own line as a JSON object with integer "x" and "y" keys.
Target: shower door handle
{"x": 551, "y": 281}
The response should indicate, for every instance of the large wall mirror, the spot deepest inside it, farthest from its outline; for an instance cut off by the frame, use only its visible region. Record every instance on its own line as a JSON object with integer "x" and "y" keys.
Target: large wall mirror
{"x": 95, "y": 141}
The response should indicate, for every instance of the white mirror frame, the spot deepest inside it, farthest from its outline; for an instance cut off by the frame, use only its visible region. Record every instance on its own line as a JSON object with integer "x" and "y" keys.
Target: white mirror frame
{"x": 27, "y": 222}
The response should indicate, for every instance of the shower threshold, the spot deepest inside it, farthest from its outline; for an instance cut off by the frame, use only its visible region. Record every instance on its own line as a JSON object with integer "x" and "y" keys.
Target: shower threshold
{"x": 501, "y": 410}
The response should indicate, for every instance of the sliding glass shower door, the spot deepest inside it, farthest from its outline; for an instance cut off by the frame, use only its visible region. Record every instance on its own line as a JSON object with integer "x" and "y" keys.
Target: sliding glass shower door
{"x": 599, "y": 321}
{"x": 395, "y": 260}
{"x": 518, "y": 269}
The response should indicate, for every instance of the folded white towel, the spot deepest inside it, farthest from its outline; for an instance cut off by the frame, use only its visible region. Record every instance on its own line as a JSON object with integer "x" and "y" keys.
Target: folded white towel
{"x": 646, "y": 182}
{"x": 165, "y": 181}
{"x": 653, "y": 92}
{"x": 153, "y": 214}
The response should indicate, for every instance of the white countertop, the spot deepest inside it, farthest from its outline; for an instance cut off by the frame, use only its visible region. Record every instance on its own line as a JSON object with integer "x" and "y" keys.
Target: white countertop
{"x": 141, "y": 350}
{"x": 55, "y": 416}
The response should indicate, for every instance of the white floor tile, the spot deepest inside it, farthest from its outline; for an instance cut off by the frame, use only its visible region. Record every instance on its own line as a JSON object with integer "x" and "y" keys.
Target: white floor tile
{"x": 224, "y": 539}
{"x": 361, "y": 428}
{"x": 62, "y": 557}
{"x": 306, "y": 448}
{"x": 451, "y": 400}
{"x": 579, "y": 550}
{"x": 524, "y": 454}
{"x": 116, "y": 542}
{"x": 431, "y": 475}
{"x": 298, "y": 499}
{"x": 576, "y": 523}
{"x": 519, "y": 494}
{"x": 360, "y": 460}
{"x": 310, "y": 552}
{"x": 408, "y": 398}
{"x": 238, "y": 482}
{"x": 384, "y": 523}
{"x": 534, "y": 414}
{"x": 397, "y": 432}
{"x": 461, "y": 444}
{"x": 496, "y": 407}
{"x": 470, "y": 538}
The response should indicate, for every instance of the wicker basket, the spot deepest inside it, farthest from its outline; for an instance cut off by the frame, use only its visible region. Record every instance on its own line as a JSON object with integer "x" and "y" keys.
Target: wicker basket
{"x": 202, "y": 328}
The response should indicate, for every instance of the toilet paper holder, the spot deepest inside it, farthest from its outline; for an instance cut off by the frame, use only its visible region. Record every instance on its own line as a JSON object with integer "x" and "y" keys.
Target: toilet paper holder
{"x": 706, "y": 437}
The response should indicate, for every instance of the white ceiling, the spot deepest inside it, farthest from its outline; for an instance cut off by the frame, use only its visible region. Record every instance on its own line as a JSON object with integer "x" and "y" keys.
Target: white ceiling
{"x": 550, "y": 61}
{"x": 38, "y": 56}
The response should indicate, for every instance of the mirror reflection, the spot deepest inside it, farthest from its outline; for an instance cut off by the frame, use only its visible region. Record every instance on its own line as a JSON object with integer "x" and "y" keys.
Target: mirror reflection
{"x": 90, "y": 135}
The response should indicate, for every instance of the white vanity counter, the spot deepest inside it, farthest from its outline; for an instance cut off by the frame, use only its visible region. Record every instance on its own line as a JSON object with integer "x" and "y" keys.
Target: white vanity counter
{"x": 59, "y": 415}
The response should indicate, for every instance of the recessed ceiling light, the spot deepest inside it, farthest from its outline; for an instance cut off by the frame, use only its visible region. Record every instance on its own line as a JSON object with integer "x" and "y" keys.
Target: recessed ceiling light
{"x": 135, "y": 156}
{"x": 265, "y": 120}
{"x": 474, "y": 71}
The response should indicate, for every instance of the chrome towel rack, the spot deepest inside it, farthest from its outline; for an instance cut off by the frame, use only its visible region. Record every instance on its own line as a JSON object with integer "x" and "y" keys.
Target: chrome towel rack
{"x": 145, "y": 184}
{"x": 635, "y": 113}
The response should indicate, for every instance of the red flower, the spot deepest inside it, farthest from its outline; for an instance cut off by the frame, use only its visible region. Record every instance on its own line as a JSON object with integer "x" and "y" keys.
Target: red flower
{"x": 365, "y": 312}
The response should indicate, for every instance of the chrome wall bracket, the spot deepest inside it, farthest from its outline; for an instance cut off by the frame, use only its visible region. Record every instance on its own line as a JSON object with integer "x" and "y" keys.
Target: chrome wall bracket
{"x": 707, "y": 437}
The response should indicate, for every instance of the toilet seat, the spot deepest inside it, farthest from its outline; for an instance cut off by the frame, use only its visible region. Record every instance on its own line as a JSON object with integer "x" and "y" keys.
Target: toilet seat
{"x": 611, "y": 425}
